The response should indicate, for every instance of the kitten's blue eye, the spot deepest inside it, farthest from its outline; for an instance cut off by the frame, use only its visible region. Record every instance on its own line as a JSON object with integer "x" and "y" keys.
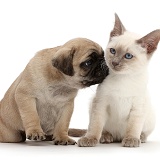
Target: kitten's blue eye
{"x": 112, "y": 50}
{"x": 128, "y": 56}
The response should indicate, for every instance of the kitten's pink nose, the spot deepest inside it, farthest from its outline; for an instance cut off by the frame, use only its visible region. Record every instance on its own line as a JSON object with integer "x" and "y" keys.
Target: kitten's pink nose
{"x": 115, "y": 63}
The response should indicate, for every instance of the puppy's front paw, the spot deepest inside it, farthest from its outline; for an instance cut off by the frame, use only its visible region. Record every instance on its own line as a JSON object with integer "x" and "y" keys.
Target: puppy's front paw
{"x": 35, "y": 134}
{"x": 106, "y": 138}
{"x": 63, "y": 141}
{"x": 131, "y": 142}
{"x": 87, "y": 142}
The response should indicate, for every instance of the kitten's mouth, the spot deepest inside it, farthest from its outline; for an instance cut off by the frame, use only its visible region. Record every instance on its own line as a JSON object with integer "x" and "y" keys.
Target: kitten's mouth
{"x": 119, "y": 70}
{"x": 116, "y": 68}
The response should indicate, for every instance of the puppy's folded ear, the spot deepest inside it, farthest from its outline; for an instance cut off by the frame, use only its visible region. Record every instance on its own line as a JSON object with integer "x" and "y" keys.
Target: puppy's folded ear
{"x": 63, "y": 60}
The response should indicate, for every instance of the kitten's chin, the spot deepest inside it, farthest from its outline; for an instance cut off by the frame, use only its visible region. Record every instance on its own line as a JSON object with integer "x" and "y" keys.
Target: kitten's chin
{"x": 118, "y": 71}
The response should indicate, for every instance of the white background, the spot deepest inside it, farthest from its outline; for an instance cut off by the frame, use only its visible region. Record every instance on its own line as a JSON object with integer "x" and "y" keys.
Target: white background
{"x": 27, "y": 26}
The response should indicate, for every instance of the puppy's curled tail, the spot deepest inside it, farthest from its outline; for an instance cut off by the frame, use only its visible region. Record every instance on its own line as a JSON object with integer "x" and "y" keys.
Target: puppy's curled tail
{"x": 76, "y": 132}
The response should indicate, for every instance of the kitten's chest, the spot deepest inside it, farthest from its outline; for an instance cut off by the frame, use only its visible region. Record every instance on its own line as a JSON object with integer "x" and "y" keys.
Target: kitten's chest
{"x": 124, "y": 86}
{"x": 118, "y": 113}
{"x": 119, "y": 107}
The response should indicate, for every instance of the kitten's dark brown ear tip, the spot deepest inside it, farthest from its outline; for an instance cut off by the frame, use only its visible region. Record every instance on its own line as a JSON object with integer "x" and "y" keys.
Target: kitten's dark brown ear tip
{"x": 116, "y": 15}
{"x": 117, "y": 18}
{"x": 150, "y": 41}
{"x": 118, "y": 29}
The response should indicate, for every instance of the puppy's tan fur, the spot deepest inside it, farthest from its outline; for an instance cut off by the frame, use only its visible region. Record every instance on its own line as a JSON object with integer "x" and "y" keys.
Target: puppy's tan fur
{"x": 40, "y": 101}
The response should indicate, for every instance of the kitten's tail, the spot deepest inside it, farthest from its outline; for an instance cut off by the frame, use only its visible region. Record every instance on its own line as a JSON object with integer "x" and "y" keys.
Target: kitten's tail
{"x": 76, "y": 132}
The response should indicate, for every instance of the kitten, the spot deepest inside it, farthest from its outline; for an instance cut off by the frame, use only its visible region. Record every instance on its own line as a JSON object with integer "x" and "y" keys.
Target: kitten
{"x": 121, "y": 109}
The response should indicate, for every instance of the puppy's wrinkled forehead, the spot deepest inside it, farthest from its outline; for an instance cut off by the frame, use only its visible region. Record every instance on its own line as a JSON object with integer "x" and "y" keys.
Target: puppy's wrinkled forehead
{"x": 84, "y": 46}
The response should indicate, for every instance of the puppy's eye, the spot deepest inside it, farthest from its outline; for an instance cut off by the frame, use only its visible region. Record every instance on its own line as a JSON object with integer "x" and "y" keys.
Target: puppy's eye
{"x": 128, "y": 56}
{"x": 112, "y": 50}
{"x": 88, "y": 63}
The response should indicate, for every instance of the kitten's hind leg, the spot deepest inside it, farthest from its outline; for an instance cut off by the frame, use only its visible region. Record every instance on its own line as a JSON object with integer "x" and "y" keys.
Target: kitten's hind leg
{"x": 143, "y": 137}
{"x": 106, "y": 137}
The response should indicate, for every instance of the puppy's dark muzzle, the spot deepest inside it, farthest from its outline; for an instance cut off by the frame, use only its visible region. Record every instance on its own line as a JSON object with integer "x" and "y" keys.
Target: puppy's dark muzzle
{"x": 97, "y": 74}
{"x": 100, "y": 73}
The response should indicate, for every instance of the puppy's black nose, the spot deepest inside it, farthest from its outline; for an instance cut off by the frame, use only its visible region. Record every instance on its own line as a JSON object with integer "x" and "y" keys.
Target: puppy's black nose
{"x": 99, "y": 74}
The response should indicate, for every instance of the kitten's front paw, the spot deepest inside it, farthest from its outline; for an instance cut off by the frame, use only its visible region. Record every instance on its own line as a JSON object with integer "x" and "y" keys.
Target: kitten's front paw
{"x": 63, "y": 141}
{"x": 106, "y": 138}
{"x": 131, "y": 142}
{"x": 87, "y": 142}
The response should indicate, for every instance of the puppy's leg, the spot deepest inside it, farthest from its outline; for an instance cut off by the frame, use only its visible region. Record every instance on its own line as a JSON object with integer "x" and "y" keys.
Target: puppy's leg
{"x": 30, "y": 118}
{"x": 60, "y": 135}
{"x": 9, "y": 135}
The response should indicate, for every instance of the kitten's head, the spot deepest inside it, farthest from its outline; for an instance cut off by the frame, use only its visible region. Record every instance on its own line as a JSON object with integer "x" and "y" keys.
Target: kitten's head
{"x": 128, "y": 53}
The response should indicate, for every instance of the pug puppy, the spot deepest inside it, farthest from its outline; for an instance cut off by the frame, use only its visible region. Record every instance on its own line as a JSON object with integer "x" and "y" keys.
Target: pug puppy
{"x": 40, "y": 102}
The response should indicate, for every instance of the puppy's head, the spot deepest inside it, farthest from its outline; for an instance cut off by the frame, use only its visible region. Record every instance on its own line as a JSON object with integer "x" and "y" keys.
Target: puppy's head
{"x": 82, "y": 62}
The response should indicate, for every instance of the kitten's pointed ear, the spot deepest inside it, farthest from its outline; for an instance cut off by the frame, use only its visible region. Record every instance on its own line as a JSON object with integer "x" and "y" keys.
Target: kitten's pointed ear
{"x": 150, "y": 41}
{"x": 118, "y": 29}
{"x": 63, "y": 60}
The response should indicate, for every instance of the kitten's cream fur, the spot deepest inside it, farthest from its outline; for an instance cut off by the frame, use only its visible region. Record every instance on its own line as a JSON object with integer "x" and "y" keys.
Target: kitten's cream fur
{"x": 121, "y": 109}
